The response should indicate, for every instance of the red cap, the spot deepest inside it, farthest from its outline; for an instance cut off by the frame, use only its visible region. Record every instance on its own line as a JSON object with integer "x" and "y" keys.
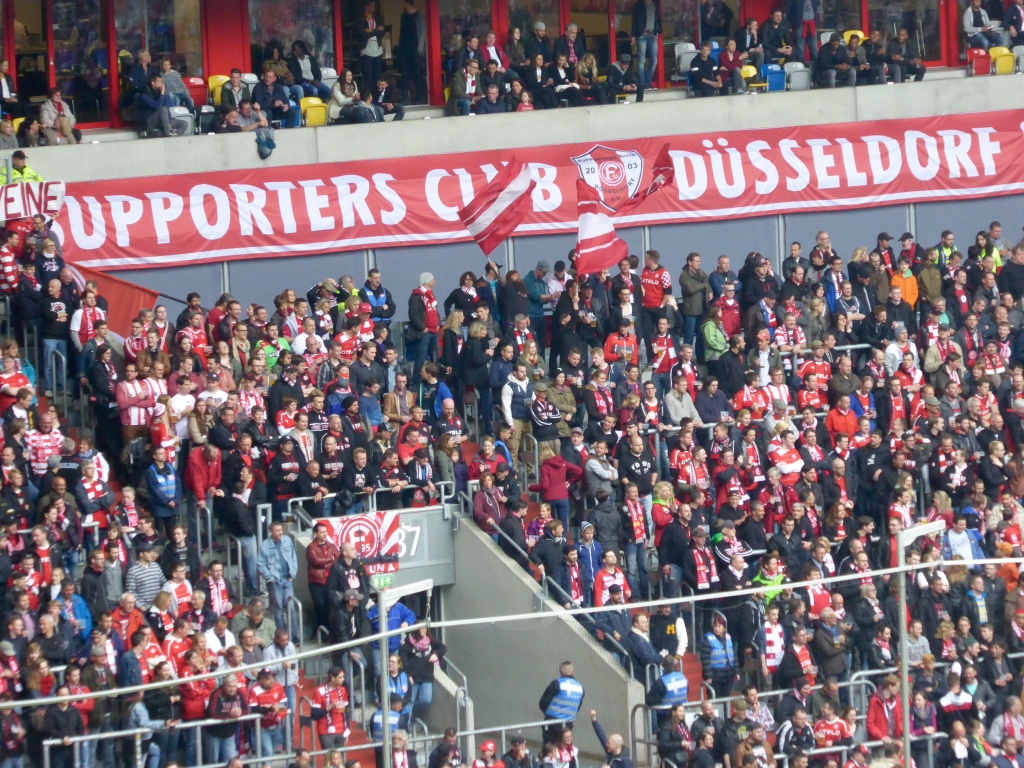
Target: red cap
{"x": 365, "y": 307}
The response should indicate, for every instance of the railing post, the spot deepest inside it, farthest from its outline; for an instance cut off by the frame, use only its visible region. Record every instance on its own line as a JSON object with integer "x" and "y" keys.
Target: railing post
{"x": 46, "y": 755}
{"x": 138, "y": 751}
{"x": 199, "y": 744}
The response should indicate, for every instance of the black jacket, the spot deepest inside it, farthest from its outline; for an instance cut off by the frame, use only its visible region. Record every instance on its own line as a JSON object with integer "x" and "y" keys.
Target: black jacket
{"x": 640, "y": 20}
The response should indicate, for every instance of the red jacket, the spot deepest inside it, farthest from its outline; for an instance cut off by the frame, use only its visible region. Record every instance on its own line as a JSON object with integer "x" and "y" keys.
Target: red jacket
{"x": 202, "y": 476}
{"x": 195, "y": 695}
{"x": 319, "y": 560}
{"x": 554, "y": 474}
{"x": 878, "y": 724}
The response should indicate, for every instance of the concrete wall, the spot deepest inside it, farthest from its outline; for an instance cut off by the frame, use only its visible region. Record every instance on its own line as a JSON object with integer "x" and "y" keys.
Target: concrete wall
{"x": 158, "y": 157}
{"x": 510, "y": 665}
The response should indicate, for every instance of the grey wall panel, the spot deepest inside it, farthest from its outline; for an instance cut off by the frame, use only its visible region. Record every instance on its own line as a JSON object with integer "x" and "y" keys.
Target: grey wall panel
{"x": 712, "y": 239}
{"x": 260, "y": 280}
{"x": 551, "y": 248}
{"x": 967, "y": 217}
{"x": 179, "y": 282}
{"x": 847, "y": 229}
{"x": 401, "y": 267}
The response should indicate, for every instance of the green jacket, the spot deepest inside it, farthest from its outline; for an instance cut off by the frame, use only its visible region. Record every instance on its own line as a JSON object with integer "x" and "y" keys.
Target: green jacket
{"x": 715, "y": 343}
{"x": 19, "y": 177}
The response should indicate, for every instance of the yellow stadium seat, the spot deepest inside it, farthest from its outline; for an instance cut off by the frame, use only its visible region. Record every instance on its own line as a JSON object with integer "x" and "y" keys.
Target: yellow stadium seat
{"x": 850, "y": 32}
{"x": 216, "y": 83}
{"x": 447, "y": 94}
{"x": 17, "y": 123}
{"x": 1002, "y": 60}
{"x": 314, "y": 111}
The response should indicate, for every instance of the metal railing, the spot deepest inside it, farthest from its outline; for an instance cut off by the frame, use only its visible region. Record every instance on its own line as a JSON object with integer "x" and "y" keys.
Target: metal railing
{"x": 525, "y": 442}
{"x": 60, "y": 383}
{"x": 138, "y": 733}
{"x": 264, "y": 513}
{"x": 30, "y": 341}
{"x": 204, "y": 512}
{"x": 289, "y": 602}
{"x": 236, "y": 544}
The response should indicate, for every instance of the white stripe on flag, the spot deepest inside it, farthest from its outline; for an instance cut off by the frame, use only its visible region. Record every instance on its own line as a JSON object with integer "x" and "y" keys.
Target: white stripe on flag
{"x": 519, "y": 186}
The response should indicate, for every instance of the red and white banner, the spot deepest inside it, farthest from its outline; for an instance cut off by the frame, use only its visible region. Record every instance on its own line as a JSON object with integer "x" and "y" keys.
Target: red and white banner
{"x": 597, "y": 246}
{"x": 19, "y": 201}
{"x": 500, "y": 207}
{"x": 374, "y": 535}
{"x": 275, "y": 212}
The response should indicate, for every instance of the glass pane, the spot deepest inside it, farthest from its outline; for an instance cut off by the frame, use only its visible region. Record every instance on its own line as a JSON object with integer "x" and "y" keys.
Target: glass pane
{"x": 81, "y": 58}
{"x": 591, "y": 16}
{"x": 717, "y": 19}
{"x": 30, "y": 50}
{"x": 460, "y": 18}
{"x": 524, "y": 13}
{"x": 285, "y": 21}
{"x": 678, "y": 25}
{"x": 173, "y": 30}
{"x": 841, "y": 15}
{"x": 920, "y": 18}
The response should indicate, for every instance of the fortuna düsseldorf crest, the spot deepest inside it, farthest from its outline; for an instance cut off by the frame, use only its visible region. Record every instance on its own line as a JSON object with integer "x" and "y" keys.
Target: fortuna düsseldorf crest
{"x": 615, "y": 173}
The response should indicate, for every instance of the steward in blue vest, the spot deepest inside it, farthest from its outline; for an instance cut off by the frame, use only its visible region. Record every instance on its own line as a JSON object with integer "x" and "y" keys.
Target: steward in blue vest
{"x": 562, "y": 700}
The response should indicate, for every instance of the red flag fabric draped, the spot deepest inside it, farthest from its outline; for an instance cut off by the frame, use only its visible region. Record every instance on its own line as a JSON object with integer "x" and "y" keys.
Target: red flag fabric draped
{"x": 598, "y": 247}
{"x": 500, "y": 207}
{"x": 124, "y": 299}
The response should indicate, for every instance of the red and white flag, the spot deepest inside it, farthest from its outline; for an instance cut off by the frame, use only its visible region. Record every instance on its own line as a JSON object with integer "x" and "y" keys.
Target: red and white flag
{"x": 500, "y": 207}
{"x": 597, "y": 246}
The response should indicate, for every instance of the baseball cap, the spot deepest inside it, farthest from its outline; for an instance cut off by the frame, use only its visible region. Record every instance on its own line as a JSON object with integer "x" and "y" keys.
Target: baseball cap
{"x": 932, "y": 402}
{"x": 614, "y": 589}
{"x": 539, "y": 25}
{"x": 540, "y": 386}
{"x": 835, "y": 37}
{"x": 19, "y": 155}
{"x": 352, "y": 594}
{"x": 884, "y": 236}
{"x": 543, "y": 264}
{"x": 701, "y": 530}
{"x": 365, "y": 307}
{"x": 906, "y": 236}
{"x": 576, "y": 431}
{"x": 764, "y": 335}
{"x": 7, "y": 648}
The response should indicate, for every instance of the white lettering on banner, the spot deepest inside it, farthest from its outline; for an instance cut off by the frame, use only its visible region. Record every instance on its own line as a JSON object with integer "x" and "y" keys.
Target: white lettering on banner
{"x": 957, "y": 145}
{"x": 988, "y": 148}
{"x": 739, "y": 182}
{"x": 165, "y": 208}
{"x": 315, "y": 204}
{"x": 546, "y": 195}
{"x": 398, "y": 209}
{"x": 854, "y": 177}
{"x": 352, "y": 192}
{"x": 803, "y": 176}
{"x": 433, "y": 190}
{"x": 881, "y": 173}
{"x": 275, "y": 211}
{"x": 19, "y": 201}
{"x": 770, "y": 182}
{"x": 927, "y": 171}
{"x": 124, "y": 211}
{"x": 197, "y": 206}
{"x": 822, "y": 163}
{"x": 692, "y": 180}
{"x": 83, "y": 239}
{"x": 284, "y": 204}
{"x": 250, "y": 201}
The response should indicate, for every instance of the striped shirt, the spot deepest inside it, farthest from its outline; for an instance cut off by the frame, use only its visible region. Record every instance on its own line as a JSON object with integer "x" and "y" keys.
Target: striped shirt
{"x": 145, "y": 582}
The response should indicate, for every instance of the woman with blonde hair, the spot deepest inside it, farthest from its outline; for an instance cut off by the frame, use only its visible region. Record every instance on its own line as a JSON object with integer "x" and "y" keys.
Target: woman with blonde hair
{"x": 859, "y": 254}
{"x": 588, "y": 79}
{"x": 818, "y": 319}
{"x": 200, "y": 421}
{"x": 7, "y": 138}
{"x": 536, "y": 368}
{"x": 556, "y": 475}
{"x": 664, "y": 508}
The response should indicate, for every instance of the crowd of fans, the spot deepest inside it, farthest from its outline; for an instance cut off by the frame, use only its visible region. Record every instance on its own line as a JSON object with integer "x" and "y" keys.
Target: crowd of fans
{"x": 750, "y": 430}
